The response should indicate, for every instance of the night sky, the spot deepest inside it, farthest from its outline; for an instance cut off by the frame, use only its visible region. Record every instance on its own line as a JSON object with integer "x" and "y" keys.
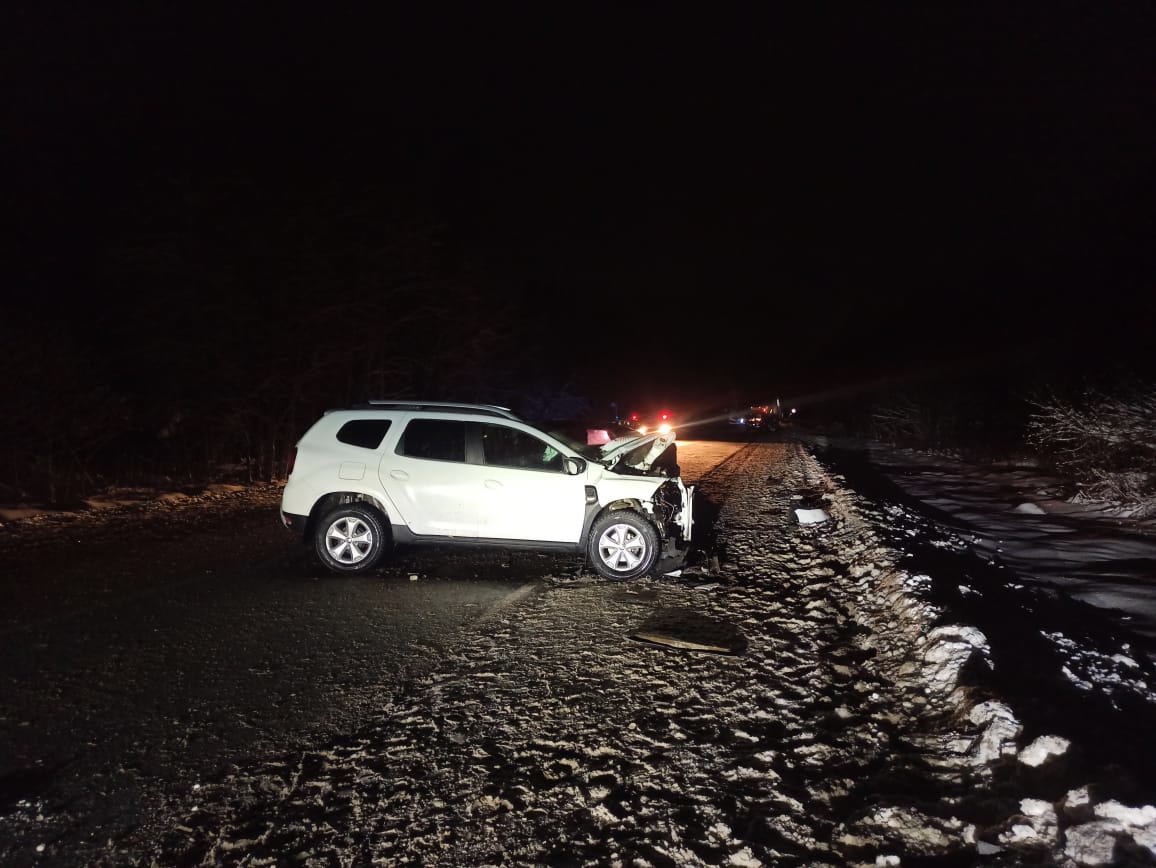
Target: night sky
{"x": 672, "y": 206}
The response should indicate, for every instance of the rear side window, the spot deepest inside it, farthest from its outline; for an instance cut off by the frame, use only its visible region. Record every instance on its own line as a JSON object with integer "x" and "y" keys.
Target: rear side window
{"x": 366, "y": 433}
{"x": 436, "y": 439}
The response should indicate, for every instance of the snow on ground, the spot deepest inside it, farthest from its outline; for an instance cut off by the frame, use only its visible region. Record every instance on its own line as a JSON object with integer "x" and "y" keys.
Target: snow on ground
{"x": 1019, "y": 517}
{"x": 851, "y": 726}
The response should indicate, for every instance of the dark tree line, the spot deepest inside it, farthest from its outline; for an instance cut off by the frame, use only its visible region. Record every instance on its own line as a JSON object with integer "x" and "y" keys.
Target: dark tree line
{"x": 218, "y": 319}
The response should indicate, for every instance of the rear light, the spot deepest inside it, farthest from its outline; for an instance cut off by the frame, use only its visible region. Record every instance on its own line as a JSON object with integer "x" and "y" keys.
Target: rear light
{"x": 292, "y": 461}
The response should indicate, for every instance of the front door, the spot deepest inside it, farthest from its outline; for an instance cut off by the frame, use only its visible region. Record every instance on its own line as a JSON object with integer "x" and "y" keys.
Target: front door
{"x": 528, "y": 495}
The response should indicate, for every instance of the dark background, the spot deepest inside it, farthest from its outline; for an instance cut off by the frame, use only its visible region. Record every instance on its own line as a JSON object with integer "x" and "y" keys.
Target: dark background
{"x": 567, "y": 206}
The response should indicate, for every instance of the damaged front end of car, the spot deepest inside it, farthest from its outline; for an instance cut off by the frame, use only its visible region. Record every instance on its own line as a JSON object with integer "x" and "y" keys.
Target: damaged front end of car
{"x": 651, "y": 462}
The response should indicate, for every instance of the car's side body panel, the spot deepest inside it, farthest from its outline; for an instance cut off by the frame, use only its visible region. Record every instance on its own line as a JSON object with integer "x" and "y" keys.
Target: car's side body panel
{"x": 321, "y": 464}
{"x": 435, "y": 497}
{"x": 532, "y": 505}
{"x": 501, "y": 480}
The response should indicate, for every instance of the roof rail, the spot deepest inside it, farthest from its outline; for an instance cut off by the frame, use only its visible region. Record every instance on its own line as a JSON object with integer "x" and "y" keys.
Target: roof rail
{"x": 445, "y": 406}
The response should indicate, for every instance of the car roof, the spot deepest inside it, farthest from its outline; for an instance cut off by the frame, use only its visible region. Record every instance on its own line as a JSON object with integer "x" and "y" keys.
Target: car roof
{"x": 440, "y": 406}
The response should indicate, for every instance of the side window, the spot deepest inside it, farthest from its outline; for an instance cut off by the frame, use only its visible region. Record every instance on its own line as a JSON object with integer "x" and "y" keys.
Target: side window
{"x": 366, "y": 433}
{"x": 436, "y": 439}
{"x": 509, "y": 447}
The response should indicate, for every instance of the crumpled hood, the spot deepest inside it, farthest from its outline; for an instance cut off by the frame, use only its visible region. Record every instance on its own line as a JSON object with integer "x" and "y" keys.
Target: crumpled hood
{"x": 632, "y": 444}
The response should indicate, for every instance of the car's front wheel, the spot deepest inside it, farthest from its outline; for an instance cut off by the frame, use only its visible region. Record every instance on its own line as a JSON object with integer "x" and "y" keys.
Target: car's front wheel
{"x": 623, "y": 545}
{"x": 351, "y": 539}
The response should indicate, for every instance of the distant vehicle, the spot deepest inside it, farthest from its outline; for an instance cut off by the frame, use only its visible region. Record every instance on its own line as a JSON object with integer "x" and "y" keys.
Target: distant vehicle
{"x": 661, "y": 422}
{"x": 756, "y": 417}
{"x": 387, "y": 473}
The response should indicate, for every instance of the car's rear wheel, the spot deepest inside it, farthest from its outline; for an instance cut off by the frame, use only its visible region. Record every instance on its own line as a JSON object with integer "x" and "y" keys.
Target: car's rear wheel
{"x": 351, "y": 539}
{"x": 623, "y": 545}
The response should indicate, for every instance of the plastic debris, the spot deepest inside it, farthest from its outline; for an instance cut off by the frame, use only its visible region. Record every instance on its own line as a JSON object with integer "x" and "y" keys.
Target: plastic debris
{"x": 811, "y": 516}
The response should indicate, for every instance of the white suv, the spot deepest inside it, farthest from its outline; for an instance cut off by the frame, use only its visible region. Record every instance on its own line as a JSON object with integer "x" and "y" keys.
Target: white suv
{"x": 386, "y": 473}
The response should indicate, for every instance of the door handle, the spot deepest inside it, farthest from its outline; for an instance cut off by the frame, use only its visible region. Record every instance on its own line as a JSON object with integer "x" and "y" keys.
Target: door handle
{"x": 399, "y": 474}
{"x": 493, "y": 483}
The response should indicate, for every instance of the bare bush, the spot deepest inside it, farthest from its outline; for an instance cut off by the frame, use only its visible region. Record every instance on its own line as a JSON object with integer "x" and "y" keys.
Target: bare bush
{"x": 922, "y": 419}
{"x": 901, "y": 421}
{"x": 1105, "y": 442}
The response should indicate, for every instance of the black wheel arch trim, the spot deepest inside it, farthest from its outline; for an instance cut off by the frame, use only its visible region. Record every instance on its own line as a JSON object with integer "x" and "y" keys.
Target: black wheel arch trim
{"x": 331, "y": 501}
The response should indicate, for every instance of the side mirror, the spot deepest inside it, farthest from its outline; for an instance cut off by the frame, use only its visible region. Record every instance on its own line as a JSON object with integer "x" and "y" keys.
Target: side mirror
{"x": 575, "y": 466}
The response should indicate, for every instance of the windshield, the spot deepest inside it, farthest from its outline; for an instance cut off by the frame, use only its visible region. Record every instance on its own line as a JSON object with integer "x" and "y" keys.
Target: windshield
{"x": 574, "y": 436}
{"x": 580, "y": 446}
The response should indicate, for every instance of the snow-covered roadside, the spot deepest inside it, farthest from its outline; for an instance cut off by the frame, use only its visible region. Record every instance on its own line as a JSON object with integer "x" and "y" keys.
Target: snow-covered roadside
{"x": 1020, "y": 517}
{"x": 25, "y": 525}
{"x": 850, "y": 730}
{"x": 1082, "y": 670}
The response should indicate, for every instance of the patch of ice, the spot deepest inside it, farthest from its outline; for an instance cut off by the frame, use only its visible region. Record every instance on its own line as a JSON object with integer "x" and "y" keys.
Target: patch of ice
{"x": 744, "y": 858}
{"x": 1091, "y": 843}
{"x": 602, "y": 815}
{"x": 948, "y": 649}
{"x": 1076, "y": 798}
{"x": 1075, "y": 679}
{"x": 742, "y": 773}
{"x": 1042, "y": 815}
{"x": 1000, "y": 730}
{"x": 1113, "y": 810}
{"x": 719, "y": 831}
{"x": 918, "y": 582}
{"x": 1146, "y": 838}
{"x": 1019, "y": 833}
{"x": 1030, "y": 509}
{"x": 1038, "y": 752}
{"x": 1090, "y": 669}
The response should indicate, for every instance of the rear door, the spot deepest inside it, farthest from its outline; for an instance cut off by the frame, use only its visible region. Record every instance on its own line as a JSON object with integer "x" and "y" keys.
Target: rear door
{"x": 427, "y": 476}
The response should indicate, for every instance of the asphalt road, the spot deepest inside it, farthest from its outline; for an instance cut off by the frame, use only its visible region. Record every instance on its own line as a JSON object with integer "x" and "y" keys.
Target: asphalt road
{"x": 139, "y": 656}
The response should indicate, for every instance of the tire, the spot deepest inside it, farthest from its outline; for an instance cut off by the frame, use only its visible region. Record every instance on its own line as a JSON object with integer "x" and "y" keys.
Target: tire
{"x": 351, "y": 539}
{"x": 623, "y": 545}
